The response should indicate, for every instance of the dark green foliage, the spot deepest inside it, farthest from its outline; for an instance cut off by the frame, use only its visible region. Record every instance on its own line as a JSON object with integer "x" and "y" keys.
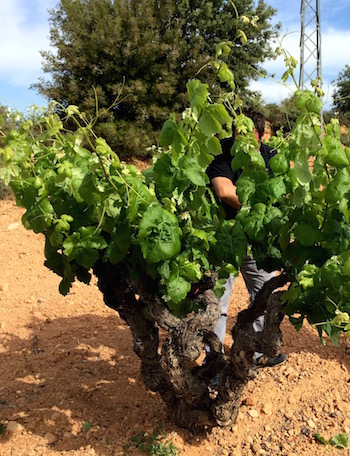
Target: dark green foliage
{"x": 7, "y": 123}
{"x": 165, "y": 224}
{"x": 146, "y": 50}
{"x": 341, "y": 95}
{"x": 344, "y": 121}
{"x": 282, "y": 116}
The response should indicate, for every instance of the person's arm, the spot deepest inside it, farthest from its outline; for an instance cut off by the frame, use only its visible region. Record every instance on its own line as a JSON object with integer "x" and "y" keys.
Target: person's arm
{"x": 226, "y": 191}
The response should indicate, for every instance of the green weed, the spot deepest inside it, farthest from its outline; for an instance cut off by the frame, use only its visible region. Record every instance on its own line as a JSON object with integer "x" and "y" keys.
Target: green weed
{"x": 155, "y": 444}
{"x": 86, "y": 426}
{"x": 338, "y": 441}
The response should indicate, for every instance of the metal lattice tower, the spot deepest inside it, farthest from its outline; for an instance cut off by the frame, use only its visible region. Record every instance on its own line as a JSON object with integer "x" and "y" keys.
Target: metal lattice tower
{"x": 310, "y": 42}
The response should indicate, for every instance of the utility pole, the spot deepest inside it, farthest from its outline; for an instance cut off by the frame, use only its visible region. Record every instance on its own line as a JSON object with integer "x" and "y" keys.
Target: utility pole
{"x": 310, "y": 43}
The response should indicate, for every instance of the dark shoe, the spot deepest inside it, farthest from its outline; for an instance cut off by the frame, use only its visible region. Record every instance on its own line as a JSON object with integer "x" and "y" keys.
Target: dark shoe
{"x": 266, "y": 361}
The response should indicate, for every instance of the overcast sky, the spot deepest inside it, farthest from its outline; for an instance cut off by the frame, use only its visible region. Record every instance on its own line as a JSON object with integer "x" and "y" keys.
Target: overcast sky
{"x": 25, "y": 31}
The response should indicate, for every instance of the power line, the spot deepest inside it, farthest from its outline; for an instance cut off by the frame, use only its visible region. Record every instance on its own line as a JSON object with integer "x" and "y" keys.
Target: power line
{"x": 310, "y": 42}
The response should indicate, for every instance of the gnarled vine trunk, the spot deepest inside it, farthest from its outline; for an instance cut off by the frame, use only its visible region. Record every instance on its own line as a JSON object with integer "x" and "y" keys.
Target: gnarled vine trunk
{"x": 168, "y": 366}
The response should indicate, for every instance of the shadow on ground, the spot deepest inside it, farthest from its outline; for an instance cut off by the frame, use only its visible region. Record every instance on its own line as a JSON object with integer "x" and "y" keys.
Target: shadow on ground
{"x": 74, "y": 371}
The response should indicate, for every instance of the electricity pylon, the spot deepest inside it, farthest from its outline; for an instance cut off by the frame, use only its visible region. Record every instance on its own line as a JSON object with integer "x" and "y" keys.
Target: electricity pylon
{"x": 310, "y": 42}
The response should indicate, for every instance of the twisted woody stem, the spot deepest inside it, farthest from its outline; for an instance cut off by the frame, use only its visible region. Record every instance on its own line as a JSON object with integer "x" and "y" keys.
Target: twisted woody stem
{"x": 169, "y": 366}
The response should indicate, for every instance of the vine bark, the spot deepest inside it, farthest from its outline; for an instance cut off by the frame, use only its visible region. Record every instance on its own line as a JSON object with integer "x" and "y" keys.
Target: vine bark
{"x": 198, "y": 396}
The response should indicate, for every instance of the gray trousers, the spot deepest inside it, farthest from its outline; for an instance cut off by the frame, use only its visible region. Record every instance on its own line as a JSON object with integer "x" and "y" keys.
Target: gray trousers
{"x": 254, "y": 279}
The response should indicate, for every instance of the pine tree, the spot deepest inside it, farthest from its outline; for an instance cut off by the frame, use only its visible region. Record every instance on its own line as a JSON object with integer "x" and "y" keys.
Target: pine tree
{"x": 341, "y": 94}
{"x": 145, "y": 50}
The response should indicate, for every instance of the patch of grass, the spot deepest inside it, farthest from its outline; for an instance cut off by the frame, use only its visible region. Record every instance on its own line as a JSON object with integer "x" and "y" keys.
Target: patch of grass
{"x": 155, "y": 444}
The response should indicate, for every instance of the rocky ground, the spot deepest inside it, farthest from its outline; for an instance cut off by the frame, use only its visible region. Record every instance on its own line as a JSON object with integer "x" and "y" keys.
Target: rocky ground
{"x": 70, "y": 382}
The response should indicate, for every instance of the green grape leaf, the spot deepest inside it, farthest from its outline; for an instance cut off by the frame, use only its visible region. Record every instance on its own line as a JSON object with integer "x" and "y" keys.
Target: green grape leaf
{"x": 165, "y": 172}
{"x": 273, "y": 219}
{"x": 223, "y": 48}
{"x": 333, "y": 152}
{"x": 214, "y": 146}
{"x": 209, "y": 125}
{"x": 164, "y": 269}
{"x": 240, "y": 161}
{"x": 159, "y": 235}
{"x": 64, "y": 287}
{"x": 189, "y": 270}
{"x": 102, "y": 148}
{"x": 306, "y": 234}
{"x": 307, "y": 276}
{"x": 200, "y": 234}
{"x": 54, "y": 125}
{"x": 279, "y": 164}
{"x": 242, "y": 36}
{"x": 256, "y": 159}
{"x": 301, "y": 168}
{"x": 197, "y": 94}
{"x": 83, "y": 275}
{"x": 337, "y": 188}
{"x": 57, "y": 262}
{"x": 297, "y": 322}
{"x": 308, "y": 101}
{"x": 334, "y": 335}
{"x": 117, "y": 250}
{"x": 336, "y": 235}
{"x": 213, "y": 118}
{"x": 331, "y": 273}
{"x": 82, "y": 152}
{"x": 205, "y": 148}
{"x": 219, "y": 288}
{"x": 226, "y": 75}
{"x": 133, "y": 204}
{"x": 272, "y": 189}
{"x": 8, "y": 172}
{"x": 25, "y": 192}
{"x": 300, "y": 196}
{"x": 231, "y": 245}
{"x": 83, "y": 246}
{"x": 254, "y": 223}
{"x": 304, "y": 133}
{"x": 341, "y": 318}
{"x": 39, "y": 216}
{"x": 177, "y": 288}
{"x": 286, "y": 75}
{"x": 171, "y": 135}
{"x": 245, "y": 188}
{"x": 113, "y": 205}
{"x": 88, "y": 190}
{"x": 193, "y": 171}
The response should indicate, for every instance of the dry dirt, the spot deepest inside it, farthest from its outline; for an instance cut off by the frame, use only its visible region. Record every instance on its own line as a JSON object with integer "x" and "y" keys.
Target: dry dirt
{"x": 66, "y": 361}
